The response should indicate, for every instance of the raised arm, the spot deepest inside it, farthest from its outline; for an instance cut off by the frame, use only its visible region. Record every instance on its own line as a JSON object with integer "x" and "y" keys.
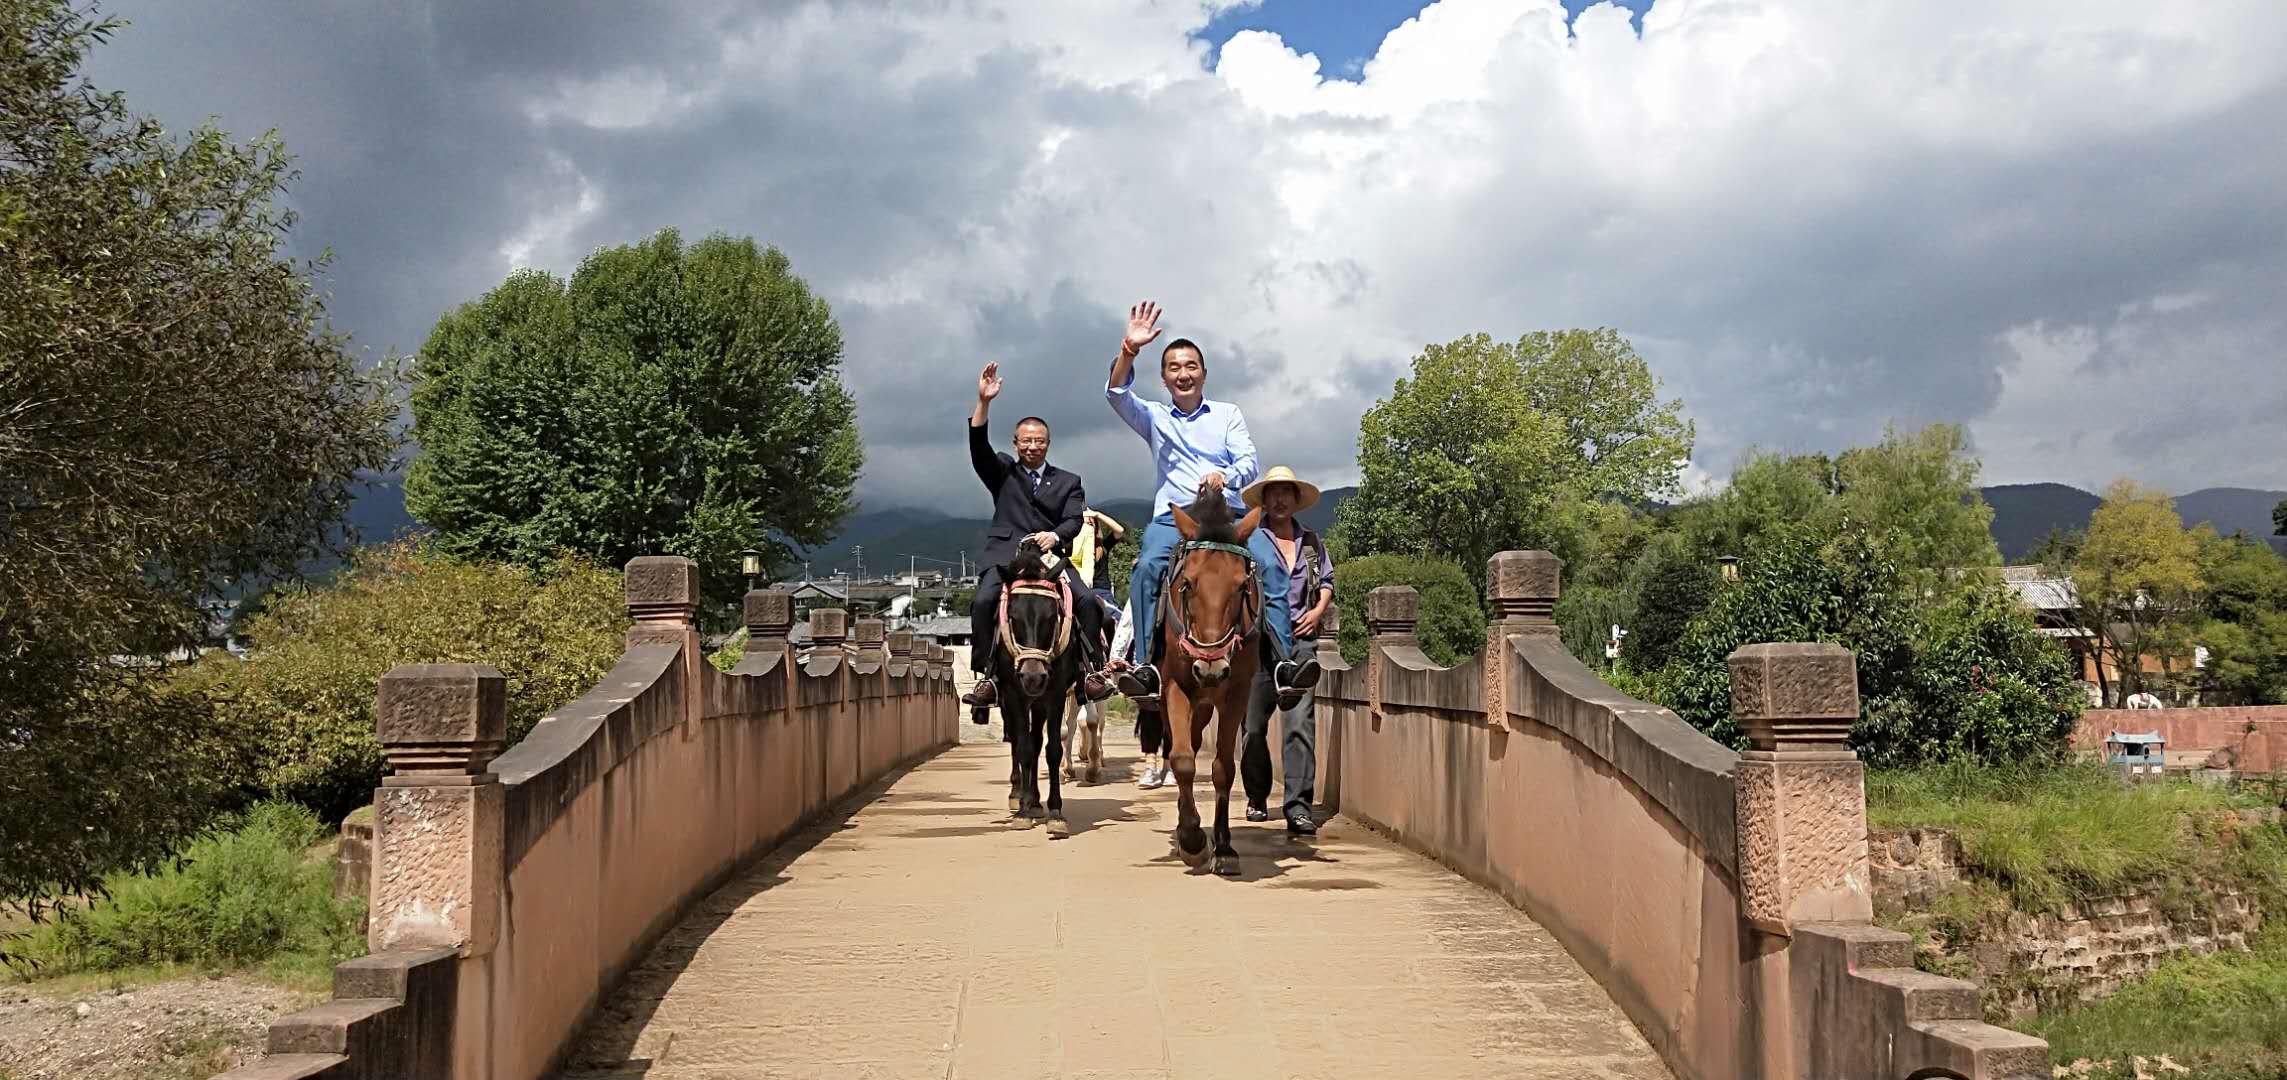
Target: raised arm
{"x": 1143, "y": 329}
{"x": 990, "y": 467}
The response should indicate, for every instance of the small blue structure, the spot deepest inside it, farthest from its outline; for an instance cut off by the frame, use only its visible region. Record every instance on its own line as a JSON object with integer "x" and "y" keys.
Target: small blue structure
{"x": 2137, "y": 756}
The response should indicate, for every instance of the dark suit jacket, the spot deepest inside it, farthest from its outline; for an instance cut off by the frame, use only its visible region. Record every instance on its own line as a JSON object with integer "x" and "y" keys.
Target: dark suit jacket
{"x": 1019, "y": 512}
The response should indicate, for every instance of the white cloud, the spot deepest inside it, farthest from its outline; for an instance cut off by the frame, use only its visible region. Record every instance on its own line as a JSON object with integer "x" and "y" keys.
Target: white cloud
{"x": 2059, "y": 220}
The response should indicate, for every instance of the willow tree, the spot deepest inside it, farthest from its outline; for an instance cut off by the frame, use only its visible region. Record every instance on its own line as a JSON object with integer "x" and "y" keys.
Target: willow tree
{"x": 664, "y": 401}
{"x": 176, "y": 419}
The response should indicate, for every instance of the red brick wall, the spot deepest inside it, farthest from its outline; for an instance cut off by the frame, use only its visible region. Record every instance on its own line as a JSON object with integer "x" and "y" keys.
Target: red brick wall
{"x": 2262, "y": 750}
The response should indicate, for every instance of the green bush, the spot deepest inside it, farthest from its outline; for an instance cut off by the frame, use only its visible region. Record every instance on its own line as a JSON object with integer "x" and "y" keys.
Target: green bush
{"x": 235, "y": 896}
{"x": 1959, "y": 671}
{"x": 319, "y": 653}
{"x": 1451, "y": 625}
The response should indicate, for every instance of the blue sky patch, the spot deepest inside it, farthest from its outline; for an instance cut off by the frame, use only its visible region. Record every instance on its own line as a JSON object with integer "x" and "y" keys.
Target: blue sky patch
{"x": 1344, "y": 35}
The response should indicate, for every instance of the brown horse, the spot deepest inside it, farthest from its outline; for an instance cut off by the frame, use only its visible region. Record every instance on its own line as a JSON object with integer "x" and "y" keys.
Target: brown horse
{"x": 1209, "y": 616}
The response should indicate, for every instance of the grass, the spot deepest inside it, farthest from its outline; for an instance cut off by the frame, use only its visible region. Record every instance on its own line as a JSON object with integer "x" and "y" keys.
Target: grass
{"x": 2223, "y": 1015}
{"x": 253, "y": 896}
{"x": 2049, "y": 835}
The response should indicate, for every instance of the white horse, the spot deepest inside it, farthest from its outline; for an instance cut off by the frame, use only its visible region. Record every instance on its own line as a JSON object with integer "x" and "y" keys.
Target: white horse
{"x": 1090, "y": 743}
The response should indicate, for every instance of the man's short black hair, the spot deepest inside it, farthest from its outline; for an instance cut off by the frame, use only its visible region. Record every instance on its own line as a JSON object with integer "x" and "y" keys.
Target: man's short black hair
{"x": 1030, "y": 420}
{"x": 1182, "y": 343}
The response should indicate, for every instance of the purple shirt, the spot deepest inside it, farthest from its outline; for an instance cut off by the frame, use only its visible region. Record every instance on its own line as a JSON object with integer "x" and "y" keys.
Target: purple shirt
{"x": 1296, "y": 602}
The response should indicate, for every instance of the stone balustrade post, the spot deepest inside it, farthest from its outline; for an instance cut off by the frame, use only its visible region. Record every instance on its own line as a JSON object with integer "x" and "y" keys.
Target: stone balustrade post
{"x": 1330, "y": 637}
{"x": 1521, "y": 589}
{"x": 1391, "y": 612}
{"x": 829, "y": 628}
{"x": 901, "y": 657}
{"x": 663, "y": 599}
{"x": 440, "y": 813}
{"x": 1801, "y": 792}
{"x": 871, "y": 641}
{"x": 769, "y": 618}
{"x": 941, "y": 661}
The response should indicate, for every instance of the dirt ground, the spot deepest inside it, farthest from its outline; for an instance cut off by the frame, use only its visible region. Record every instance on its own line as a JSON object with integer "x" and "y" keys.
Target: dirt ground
{"x": 184, "y": 1029}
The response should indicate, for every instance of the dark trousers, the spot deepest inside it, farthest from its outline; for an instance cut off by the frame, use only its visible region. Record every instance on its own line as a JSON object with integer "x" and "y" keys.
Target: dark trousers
{"x": 1151, "y": 730}
{"x": 985, "y": 620}
{"x": 1298, "y": 745}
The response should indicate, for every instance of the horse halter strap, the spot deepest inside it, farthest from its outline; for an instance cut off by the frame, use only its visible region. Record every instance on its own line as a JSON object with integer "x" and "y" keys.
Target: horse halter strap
{"x": 1242, "y": 629}
{"x": 1053, "y": 589}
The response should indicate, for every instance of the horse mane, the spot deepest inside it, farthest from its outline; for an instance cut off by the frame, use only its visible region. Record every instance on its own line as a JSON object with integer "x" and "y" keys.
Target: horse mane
{"x": 1212, "y": 512}
{"x": 1026, "y": 566}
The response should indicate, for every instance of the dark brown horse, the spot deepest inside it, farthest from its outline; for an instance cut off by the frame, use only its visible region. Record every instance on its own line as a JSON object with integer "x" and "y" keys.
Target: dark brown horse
{"x": 1209, "y": 616}
{"x": 1037, "y": 666}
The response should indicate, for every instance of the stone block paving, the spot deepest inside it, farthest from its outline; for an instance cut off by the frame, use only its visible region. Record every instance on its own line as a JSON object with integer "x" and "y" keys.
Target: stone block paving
{"x": 922, "y": 935}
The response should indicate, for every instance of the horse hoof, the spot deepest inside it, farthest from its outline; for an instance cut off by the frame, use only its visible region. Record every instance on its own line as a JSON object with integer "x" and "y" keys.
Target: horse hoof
{"x": 1227, "y": 865}
{"x": 1016, "y": 804}
{"x": 1037, "y": 813}
{"x": 1058, "y": 828}
{"x": 1019, "y": 822}
{"x": 1095, "y": 775}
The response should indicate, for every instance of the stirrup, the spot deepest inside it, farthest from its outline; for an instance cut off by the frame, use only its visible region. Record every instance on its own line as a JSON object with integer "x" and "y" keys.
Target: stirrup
{"x": 1132, "y": 684}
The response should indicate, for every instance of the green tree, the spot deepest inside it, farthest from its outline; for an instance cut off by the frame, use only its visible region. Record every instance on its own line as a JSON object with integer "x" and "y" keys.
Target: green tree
{"x": 177, "y": 419}
{"x": 1966, "y": 676}
{"x": 2279, "y": 519}
{"x": 1450, "y": 623}
{"x": 1918, "y": 490}
{"x": 1478, "y": 451}
{"x": 2138, "y": 586}
{"x": 2245, "y": 625}
{"x": 318, "y": 655}
{"x": 1674, "y": 584}
{"x": 665, "y": 400}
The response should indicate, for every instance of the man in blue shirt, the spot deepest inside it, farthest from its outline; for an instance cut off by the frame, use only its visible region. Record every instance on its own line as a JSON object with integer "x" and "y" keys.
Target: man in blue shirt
{"x": 1197, "y": 445}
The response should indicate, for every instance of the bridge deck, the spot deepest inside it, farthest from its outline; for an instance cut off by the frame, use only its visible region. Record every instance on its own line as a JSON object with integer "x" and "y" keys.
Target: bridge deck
{"x": 920, "y": 936}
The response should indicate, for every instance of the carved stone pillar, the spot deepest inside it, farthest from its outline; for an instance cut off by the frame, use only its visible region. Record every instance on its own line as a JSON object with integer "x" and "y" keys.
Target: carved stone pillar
{"x": 1521, "y": 589}
{"x": 1391, "y": 612}
{"x": 769, "y": 618}
{"x": 439, "y": 814}
{"x": 901, "y": 659}
{"x": 829, "y": 628}
{"x": 871, "y": 637}
{"x": 663, "y": 599}
{"x": 1801, "y": 791}
{"x": 1330, "y": 637}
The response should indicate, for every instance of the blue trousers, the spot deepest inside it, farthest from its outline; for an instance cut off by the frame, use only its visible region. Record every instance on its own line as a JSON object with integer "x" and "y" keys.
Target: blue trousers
{"x": 1152, "y": 557}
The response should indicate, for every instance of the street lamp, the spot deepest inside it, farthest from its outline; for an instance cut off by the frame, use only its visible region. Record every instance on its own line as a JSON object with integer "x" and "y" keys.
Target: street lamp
{"x": 750, "y": 563}
{"x": 1730, "y": 567}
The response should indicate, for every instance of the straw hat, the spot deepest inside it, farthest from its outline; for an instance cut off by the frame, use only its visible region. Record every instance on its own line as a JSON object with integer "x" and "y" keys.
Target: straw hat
{"x": 1280, "y": 474}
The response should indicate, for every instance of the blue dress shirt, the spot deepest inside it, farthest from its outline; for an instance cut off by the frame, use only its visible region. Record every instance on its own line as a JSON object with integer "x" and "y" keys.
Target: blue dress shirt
{"x": 1188, "y": 445}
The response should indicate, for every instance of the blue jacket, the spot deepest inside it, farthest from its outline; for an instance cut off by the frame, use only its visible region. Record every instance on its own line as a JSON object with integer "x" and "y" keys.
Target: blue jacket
{"x": 1275, "y": 587}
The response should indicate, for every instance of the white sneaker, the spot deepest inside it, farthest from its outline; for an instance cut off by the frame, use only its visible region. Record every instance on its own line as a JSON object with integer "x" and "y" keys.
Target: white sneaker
{"x": 1148, "y": 777}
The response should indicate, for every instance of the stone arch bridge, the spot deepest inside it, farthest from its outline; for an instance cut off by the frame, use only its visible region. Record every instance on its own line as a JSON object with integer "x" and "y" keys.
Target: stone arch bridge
{"x": 793, "y": 869}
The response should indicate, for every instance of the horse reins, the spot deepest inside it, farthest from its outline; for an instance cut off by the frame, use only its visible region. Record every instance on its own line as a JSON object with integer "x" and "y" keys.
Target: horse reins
{"x": 1054, "y": 590}
{"x": 1178, "y": 608}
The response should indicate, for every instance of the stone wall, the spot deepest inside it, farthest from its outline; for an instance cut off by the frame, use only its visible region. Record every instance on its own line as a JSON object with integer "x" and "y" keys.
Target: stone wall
{"x": 2254, "y": 735}
{"x": 510, "y": 892}
{"x": 1719, "y": 897}
{"x": 2083, "y": 952}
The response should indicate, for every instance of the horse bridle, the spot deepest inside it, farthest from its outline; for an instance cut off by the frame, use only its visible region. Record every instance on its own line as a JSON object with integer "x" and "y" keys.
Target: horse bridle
{"x": 1053, "y": 589}
{"x": 1177, "y": 601}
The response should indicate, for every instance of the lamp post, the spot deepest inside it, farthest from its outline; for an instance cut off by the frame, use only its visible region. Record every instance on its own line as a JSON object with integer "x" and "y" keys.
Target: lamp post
{"x": 750, "y": 564}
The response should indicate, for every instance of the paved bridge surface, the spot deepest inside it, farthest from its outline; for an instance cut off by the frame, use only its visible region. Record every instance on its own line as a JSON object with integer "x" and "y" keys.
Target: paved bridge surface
{"x": 917, "y": 934}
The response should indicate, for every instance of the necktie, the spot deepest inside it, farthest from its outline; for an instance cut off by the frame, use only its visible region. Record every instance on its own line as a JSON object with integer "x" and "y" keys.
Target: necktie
{"x": 1035, "y": 480}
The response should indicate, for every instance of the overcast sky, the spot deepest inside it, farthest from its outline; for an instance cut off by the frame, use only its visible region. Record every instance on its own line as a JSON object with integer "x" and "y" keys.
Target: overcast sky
{"x": 2062, "y": 222}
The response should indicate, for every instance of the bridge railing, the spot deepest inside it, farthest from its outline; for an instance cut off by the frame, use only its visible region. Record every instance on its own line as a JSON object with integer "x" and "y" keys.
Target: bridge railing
{"x": 1720, "y": 897}
{"x": 510, "y": 892}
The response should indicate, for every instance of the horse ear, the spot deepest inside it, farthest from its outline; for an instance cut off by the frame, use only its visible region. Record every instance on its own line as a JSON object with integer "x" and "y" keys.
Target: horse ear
{"x": 1248, "y": 524}
{"x": 1185, "y": 524}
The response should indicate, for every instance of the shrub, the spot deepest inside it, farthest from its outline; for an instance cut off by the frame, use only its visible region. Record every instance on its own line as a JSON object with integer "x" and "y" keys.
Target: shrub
{"x": 1451, "y": 625}
{"x": 2222, "y": 1016}
{"x": 319, "y": 653}
{"x": 1959, "y": 672}
{"x": 236, "y": 896}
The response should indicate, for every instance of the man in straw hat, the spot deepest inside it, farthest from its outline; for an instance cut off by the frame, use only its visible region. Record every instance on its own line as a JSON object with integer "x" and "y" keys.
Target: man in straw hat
{"x": 1197, "y": 446}
{"x": 1309, "y": 572}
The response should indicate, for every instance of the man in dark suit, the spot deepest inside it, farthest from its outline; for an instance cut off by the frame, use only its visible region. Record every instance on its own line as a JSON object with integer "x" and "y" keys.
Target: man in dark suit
{"x": 1033, "y": 502}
